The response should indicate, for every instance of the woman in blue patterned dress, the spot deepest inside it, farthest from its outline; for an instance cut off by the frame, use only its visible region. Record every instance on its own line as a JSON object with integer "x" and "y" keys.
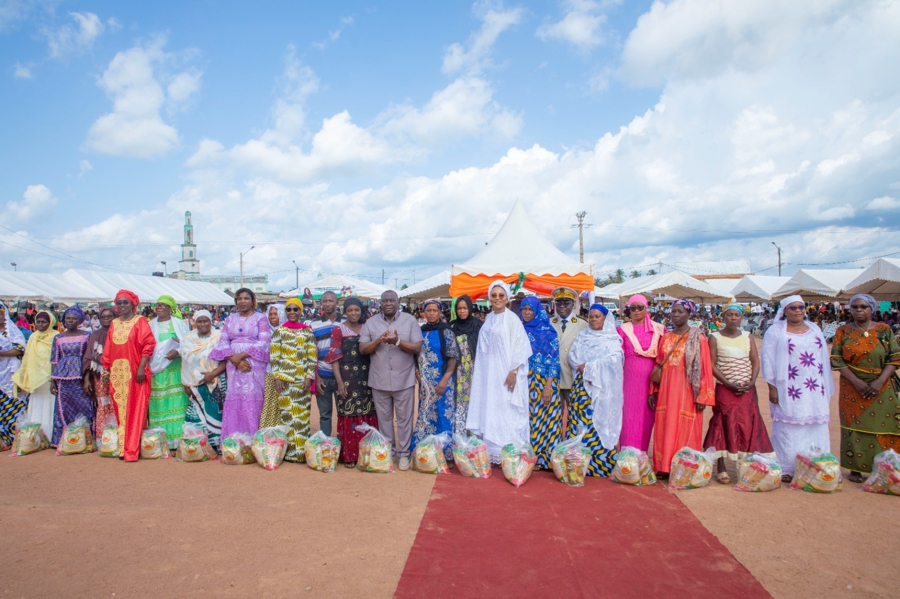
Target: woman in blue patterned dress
{"x": 545, "y": 408}
{"x": 435, "y": 368}
{"x": 12, "y": 346}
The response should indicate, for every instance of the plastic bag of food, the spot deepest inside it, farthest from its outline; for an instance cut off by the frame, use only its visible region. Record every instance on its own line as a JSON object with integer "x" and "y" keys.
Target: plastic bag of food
{"x": 691, "y": 469}
{"x": 517, "y": 460}
{"x": 194, "y": 445}
{"x": 817, "y": 472}
{"x": 154, "y": 445}
{"x": 237, "y": 450}
{"x": 470, "y": 454}
{"x": 428, "y": 456}
{"x": 29, "y": 437}
{"x": 322, "y": 452}
{"x": 4, "y": 446}
{"x": 570, "y": 460}
{"x": 109, "y": 442}
{"x": 76, "y": 438}
{"x": 758, "y": 472}
{"x": 633, "y": 467}
{"x": 375, "y": 453}
{"x": 269, "y": 446}
{"x": 885, "y": 477}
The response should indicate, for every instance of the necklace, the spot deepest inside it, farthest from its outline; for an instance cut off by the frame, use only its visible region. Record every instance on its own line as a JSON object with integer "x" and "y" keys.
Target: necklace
{"x": 243, "y": 320}
{"x": 865, "y": 331}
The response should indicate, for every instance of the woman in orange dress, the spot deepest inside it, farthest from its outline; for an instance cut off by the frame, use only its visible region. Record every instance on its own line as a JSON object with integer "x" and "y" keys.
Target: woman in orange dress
{"x": 684, "y": 391}
{"x": 126, "y": 369}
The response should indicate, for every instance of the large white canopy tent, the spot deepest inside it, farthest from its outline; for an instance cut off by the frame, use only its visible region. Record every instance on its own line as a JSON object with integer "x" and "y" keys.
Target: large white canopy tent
{"x": 817, "y": 285}
{"x": 674, "y": 283}
{"x": 757, "y": 288}
{"x": 435, "y": 286}
{"x": 881, "y": 280}
{"x": 93, "y": 286}
{"x": 340, "y": 284}
{"x": 519, "y": 248}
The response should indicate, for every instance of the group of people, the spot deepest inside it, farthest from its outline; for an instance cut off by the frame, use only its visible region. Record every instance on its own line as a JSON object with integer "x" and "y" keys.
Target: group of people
{"x": 518, "y": 375}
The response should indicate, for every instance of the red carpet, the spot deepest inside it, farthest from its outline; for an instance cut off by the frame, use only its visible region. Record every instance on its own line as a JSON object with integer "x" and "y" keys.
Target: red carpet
{"x": 485, "y": 538}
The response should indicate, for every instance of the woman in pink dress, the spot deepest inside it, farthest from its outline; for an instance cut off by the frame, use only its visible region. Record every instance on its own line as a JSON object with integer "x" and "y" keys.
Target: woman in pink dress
{"x": 640, "y": 341}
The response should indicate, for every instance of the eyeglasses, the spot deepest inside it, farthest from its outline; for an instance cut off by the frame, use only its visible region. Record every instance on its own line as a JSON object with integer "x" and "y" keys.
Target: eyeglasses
{"x": 860, "y": 306}
{"x": 295, "y": 309}
{"x": 637, "y": 307}
{"x": 796, "y": 308}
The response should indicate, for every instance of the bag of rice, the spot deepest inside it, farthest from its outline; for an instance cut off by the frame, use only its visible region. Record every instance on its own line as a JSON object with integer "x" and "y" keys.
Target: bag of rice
{"x": 758, "y": 472}
{"x": 154, "y": 445}
{"x": 269, "y": 446}
{"x": 109, "y": 442}
{"x": 517, "y": 460}
{"x": 570, "y": 460}
{"x": 885, "y": 477}
{"x": 236, "y": 449}
{"x": 470, "y": 455}
{"x": 428, "y": 456}
{"x": 817, "y": 472}
{"x": 691, "y": 469}
{"x": 633, "y": 467}
{"x": 76, "y": 438}
{"x": 322, "y": 452}
{"x": 29, "y": 437}
{"x": 375, "y": 453}
{"x": 194, "y": 445}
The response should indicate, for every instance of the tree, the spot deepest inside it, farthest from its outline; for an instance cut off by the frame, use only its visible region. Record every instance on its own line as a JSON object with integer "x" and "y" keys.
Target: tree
{"x": 403, "y": 286}
{"x": 620, "y": 275}
{"x": 651, "y": 272}
{"x": 635, "y": 274}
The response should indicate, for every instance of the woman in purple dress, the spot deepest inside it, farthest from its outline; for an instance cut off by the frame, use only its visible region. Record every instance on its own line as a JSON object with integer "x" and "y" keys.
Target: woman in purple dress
{"x": 245, "y": 345}
{"x": 640, "y": 341}
{"x": 66, "y": 376}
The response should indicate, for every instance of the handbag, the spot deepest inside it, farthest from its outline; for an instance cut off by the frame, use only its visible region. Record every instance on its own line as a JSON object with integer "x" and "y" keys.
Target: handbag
{"x": 656, "y": 374}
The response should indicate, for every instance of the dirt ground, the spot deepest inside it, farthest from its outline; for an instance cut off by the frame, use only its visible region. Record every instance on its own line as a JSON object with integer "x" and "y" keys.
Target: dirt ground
{"x": 86, "y": 526}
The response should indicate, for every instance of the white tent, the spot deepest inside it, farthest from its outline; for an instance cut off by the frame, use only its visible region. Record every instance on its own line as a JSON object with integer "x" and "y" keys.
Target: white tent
{"x": 434, "y": 286}
{"x": 148, "y": 288}
{"x": 724, "y": 286}
{"x": 607, "y": 292}
{"x": 340, "y": 284}
{"x": 756, "y": 288}
{"x": 519, "y": 247}
{"x": 675, "y": 284}
{"x": 47, "y": 287}
{"x": 881, "y": 280}
{"x": 817, "y": 284}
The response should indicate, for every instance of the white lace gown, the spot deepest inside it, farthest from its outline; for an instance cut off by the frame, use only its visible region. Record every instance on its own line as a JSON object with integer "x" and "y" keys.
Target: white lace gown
{"x": 496, "y": 415}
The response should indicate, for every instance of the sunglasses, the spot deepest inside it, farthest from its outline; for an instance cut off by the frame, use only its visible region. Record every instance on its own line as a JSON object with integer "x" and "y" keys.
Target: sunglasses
{"x": 637, "y": 307}
{"x": 796, "y": 308}
{"x": 292, "y": 309}
{"x": 860, "y": 307}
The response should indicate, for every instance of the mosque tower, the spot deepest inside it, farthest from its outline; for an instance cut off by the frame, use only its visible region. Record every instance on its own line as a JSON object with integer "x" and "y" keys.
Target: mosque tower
{"x": 189, "y": 264}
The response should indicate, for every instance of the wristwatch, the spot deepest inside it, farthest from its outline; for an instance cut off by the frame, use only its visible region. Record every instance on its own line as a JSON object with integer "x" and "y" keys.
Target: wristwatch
{"x": 397, "y": 343}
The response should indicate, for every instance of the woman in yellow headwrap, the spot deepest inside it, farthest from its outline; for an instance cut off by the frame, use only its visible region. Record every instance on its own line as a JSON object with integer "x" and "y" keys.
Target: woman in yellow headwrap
{"x": 33, "y": 375}
{"x": 168, "y": 401}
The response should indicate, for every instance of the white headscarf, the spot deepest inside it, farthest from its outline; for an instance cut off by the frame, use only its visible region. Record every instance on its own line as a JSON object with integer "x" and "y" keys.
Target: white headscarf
{"x": 282, "y": 318}
{"x": 502, "y": 284}
{"x": 13, "y": 337}
{"x": 201, "y": 313}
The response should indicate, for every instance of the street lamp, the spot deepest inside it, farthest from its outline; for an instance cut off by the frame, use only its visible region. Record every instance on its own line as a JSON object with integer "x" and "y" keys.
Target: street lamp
{"x": 13, "y": 264}
{"x": 242, "y": 265}
{"x": 779, "y": 257}
{"x": 165, "y": 270}
{"x": 297, "y": 272}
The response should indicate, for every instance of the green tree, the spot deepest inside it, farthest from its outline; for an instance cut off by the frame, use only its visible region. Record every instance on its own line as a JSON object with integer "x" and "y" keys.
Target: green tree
{"x": 635, "y": 274}
{"x": 651, "y": 272}
{"x": 403, "y": 286}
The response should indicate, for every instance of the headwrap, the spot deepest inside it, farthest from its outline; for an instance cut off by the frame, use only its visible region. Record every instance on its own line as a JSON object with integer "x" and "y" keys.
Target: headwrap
{"x": 35, "y": 369}
{"x": 502, "y": 284}
{"x": 564, "y": 293}
{"x": 352, "y": 301}
{"x": 77, "y": 311}
{"x": 201, "y": 314}
{"x": 603, "y": 309}
{"x": 688, "y": 305}
{"x": 736, "y": 307}
{"x": 130, "y": 296}
{"x": 469, "y": 326}
{"x": 106, "y": 309}
{"x": 168, "y": 300}
{"x": 637, "y": 299}
{"x": 439, "y": 326}
{"x": 791, "y": 299}
{"x": 544, "y": 358}
{"x": 282, "y": 315}
{"x": 13, "y": 339}
{"x": 866, "y": 298}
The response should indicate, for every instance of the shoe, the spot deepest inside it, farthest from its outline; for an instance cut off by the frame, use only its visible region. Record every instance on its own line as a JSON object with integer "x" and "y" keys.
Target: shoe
{"x": 404, "y": 463}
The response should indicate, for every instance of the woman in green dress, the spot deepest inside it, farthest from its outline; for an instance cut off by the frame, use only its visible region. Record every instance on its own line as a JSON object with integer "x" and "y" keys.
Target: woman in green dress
{"x": 168, "y": 401}
{"x": 866, "y": 354}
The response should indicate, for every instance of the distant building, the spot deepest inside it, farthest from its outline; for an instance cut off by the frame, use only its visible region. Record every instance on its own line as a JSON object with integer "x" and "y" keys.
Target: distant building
{"x": 722, "y": 269}
{"x": 189, "y": 267}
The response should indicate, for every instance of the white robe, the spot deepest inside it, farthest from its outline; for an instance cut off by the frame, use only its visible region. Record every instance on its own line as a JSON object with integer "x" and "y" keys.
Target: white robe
{"x": 497, "y": 415}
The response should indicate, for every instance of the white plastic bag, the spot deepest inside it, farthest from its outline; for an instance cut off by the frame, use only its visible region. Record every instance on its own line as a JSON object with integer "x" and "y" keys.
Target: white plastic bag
{"x": 517, "y": 460}
{"x": 428, "y": 456}
{"x": 633, "y": 467}
{"x": 885, "y": 477}
{"x": 758, "y": 472}
{"x": 375, "y": 453}
{"x": 570, "y": 460}
{"x": 691, "y": 469}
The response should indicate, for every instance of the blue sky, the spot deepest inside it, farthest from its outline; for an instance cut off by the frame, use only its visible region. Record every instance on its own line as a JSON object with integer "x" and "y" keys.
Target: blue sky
{"x": 355, "y": 137}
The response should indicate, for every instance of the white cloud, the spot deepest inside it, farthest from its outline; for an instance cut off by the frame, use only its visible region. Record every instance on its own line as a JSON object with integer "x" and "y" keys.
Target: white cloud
{"x": 23, "y": 71}
{"x": 36, "y": 201}
{"x": 84, "y": 168}
{"x": 67, "y": 40}
{"x": 475, "y": 54}
{"x": 134, "y": 80}
{"x": 581, "y": 26}
{"x": 114, "y": 24}
{"x": 884, "y": 203}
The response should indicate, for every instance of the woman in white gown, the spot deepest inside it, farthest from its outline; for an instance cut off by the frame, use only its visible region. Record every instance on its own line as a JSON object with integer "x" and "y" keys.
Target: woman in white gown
{"x": 498, "y": 403}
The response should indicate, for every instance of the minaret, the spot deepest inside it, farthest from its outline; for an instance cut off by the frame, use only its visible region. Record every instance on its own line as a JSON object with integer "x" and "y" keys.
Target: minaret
{"x": 189, "y": 263}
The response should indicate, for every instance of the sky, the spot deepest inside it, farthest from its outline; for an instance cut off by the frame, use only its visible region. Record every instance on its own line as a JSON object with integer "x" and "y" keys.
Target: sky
{"x": 362, "y": 137}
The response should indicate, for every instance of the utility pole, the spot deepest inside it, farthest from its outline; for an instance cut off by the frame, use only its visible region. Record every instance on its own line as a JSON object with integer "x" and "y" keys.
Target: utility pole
{"x": 242, "y": 266}
{"x": 580, "y": 216}
{"x": 779, "y": 257}
{"x": 165, "y": 268}
{"x": 297, "y": 272}
{"x": 382, "y": 276}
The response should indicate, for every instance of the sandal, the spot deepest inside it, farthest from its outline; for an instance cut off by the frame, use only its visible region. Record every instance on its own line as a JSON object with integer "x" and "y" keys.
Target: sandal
{"x": 662, "y": 476}
{"x": 786, "y": 478}
{"x": 723, "y": 478}
{"x": 855, "y": 477}
{"x": 349, "y": 465}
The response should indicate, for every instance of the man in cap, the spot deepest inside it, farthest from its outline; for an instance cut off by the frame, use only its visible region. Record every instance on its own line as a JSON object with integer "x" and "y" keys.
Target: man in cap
{"x": 567, "y": 326}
